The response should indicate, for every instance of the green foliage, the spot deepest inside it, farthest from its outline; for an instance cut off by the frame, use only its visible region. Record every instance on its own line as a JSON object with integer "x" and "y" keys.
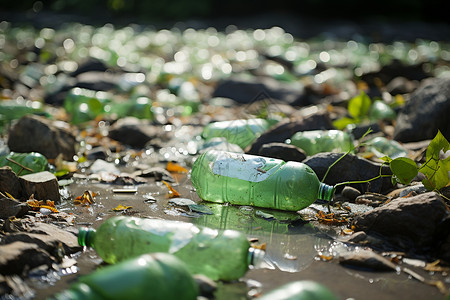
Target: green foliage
{"x": 436, "y": 169}
{"x": 403, "y": 168}
{"x": 361, "y": 108}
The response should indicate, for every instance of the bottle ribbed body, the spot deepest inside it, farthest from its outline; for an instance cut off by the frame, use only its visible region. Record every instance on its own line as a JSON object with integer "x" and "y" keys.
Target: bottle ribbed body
{"x": 150, "y": 276}
{"x": 216, "y": 254}
{"x": 240, "y": 132}
{"x": 316, "y": 141}
{"x": 220, "y": 177}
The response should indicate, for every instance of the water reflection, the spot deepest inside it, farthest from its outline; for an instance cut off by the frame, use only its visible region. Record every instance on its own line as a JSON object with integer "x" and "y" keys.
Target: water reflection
{"x": 290, "y": 242}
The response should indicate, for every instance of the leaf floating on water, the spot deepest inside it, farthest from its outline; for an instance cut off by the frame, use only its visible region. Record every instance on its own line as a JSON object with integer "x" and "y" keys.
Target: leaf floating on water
{"x": 121, "y": 207}
{"x": 172, "y": 192}
{"x": 182, "y": 201}
{"x": 199, "y": 208}
{"x": 176, "y": 168}
{"x": 86, "y": 199}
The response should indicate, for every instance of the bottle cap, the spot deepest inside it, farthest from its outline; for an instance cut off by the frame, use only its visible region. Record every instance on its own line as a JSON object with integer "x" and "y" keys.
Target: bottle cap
{"x": 326, "y": 192}
{"x": 85, "y": 236}
{"x": 256, "y": 257}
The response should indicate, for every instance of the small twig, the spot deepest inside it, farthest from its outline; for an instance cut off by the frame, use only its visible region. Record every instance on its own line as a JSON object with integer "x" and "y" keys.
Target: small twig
{"x": 20, "y": 165}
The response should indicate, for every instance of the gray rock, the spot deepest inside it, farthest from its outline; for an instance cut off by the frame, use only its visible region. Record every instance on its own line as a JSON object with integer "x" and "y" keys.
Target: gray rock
{"x": 43, "y": 185}
{"x": 350, "y": 168}
{"x": 47, "y": 237}
{"x": 38, "y": 134}
{"x": 401, "y": 85}
{"x": 426, "y": 111}
{"x": 407, "y": 223}
{"x": 282, "y": 151}
{"x": 11, "y": 208}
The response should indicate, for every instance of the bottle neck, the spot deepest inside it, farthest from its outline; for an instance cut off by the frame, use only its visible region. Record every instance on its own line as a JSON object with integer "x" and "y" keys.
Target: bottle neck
{"x": 86, "y": 236}
{"x": 326, "y": 192}
{"x": 255, "y": 257}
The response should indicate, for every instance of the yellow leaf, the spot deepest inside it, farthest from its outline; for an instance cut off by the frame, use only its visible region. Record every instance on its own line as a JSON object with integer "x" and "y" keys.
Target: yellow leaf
{"x": 121, "y": 207}
{"x": 172, "y": 192}
{"x": 174, "y": 167}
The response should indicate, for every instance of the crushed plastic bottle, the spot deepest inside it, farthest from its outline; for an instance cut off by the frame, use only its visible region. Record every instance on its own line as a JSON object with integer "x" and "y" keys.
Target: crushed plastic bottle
{"x": 241, "y": 132}
{"x": 242, "y": 179}
{"x": 316, "y": 141}
{"x": 379, "y": 110}
{"x": 224, "y": 255}
{"x": 149, "y": 276}
{"x": 33, "y": 162}
{"x": 304, "y": 290}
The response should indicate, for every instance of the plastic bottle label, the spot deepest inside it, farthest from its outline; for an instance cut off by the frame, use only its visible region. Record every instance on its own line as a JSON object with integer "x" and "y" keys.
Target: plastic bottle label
{"x": 245, "y": 167}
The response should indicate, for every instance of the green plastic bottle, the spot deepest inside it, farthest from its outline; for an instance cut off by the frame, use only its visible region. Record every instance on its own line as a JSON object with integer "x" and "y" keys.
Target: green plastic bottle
{"x": 300, "y": 290}
{"x": 224, "y": 255}
{"x": 316, "y": 141}
{"x": 240, "y": 132}
{"x": 33, "y": 161}
{"x": 381, "y": 146}
{"x": 149, "y": 276}
{"x": 242, "y": 179}
{"x": 84, "y": 105}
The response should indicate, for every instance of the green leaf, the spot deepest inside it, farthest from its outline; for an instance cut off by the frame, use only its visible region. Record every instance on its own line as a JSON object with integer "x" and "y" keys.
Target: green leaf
{"x": 359, "y": 106}
{"x": 435, "y": 169}
{"x": 404, "y": 169}
{"x": 344, "y": 122}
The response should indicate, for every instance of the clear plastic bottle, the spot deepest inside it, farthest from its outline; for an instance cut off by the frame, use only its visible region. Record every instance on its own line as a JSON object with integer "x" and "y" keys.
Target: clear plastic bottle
{"x": 304, "y": 290}
{"x": 381, "y": 146}
{"x": 241, "y": 132}
{"x": 242, "y": 179}
{"x": 149, "y": 276}
{"x": 316, "y": 141}
{"x": 224, "y": 255}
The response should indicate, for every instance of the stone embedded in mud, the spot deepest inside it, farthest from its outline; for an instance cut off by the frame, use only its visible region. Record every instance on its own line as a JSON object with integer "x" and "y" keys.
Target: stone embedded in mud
{"x": 350, "y": 193}
{"x": 287, "y": 128}
{"x": 351, "y": 168}
{"x": 282, "y": 151}
{"x": 409, "y": 223}
{"x": 426, "y": 111}
{"x": 38, "y": 134}
{"x": 43, "y": 185}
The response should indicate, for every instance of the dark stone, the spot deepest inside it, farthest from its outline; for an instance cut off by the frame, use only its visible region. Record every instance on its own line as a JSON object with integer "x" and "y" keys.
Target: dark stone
{"x": 89, "y": 66}
{"x": 282, "y": 151}
{"x": 401, "y": 85}
{"x": 350, "y": 193}
{"x": 351, "y": 168}
{"x": 135, "y": 132}
{"x": 17, "y": 256}
{"x": 38, "y": 134}
{"x": 409, "y": 223}
{"x": 156, "y": 172}
{"x": 396, "y": 69}
{"x": 98, "y": 81}
{"x": 9, "y": 182}
{"x": 426, "y": 111}
{"x": 248, "y": 90}
{"x": 11, "y": 207}
{"x": 286, "y": 129}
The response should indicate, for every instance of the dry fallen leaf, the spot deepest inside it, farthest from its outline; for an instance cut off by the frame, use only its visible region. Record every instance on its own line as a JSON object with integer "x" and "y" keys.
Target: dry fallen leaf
{"x": 176, "y": 168}
{"x": 121, "y": 207}
{"x": 172, "y": 192}
{"x": 86, "y": 199}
